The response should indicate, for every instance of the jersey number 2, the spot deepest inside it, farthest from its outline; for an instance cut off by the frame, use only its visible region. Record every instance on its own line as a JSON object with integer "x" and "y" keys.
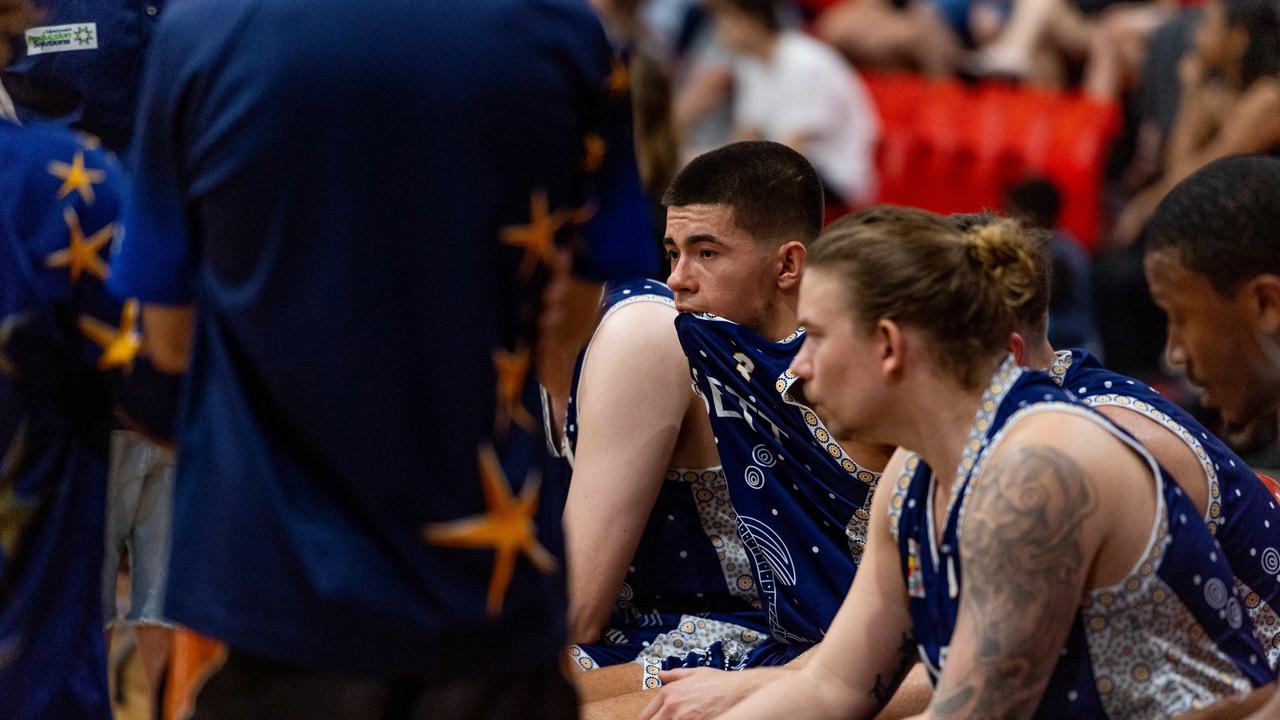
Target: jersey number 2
{"x": 745, "y": 366}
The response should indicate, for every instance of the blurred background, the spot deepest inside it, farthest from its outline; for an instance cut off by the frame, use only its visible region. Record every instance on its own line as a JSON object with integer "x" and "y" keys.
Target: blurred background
{"x": 1076, "y": 115}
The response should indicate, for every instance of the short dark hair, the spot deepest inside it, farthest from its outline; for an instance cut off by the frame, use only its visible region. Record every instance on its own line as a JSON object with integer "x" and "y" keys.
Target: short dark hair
{"x": 764, "y": 12}
{"x": 1224, "y": 221}
{"x": 775, "y": 193}
{"x": 1261, "y": 20}
{"x": 1036, "y": 201}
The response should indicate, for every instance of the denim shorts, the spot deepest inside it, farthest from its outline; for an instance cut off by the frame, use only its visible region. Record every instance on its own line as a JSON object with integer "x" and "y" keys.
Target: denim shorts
{"x": 139, "y": 512}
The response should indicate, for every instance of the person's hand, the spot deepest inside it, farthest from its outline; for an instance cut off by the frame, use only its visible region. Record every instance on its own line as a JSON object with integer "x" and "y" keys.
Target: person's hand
{"x": 697, "y": 693}
{"x": 1240, "y": 707}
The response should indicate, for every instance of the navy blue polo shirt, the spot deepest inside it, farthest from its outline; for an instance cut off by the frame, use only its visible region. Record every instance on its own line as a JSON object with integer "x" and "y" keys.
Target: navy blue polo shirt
{"x": 359, "y": 198}
{"x": 81, "y": 66}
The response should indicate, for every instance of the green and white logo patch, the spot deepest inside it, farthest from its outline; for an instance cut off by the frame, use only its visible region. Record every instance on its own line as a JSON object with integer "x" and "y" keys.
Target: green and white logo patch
{"x": 62, "y": 38}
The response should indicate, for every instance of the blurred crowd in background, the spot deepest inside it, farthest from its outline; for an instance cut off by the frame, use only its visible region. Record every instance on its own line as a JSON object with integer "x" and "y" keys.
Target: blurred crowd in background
{"x": 1077, "y": 115}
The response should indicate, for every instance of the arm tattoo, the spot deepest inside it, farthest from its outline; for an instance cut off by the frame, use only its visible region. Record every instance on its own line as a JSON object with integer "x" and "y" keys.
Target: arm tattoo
{"x": 1023, "y": 560}
{"x": 883, "y": 691}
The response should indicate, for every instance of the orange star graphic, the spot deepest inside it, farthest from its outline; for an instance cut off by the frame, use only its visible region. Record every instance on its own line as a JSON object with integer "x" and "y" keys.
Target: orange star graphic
{"x": 512, "y": 368}
{"x": 76, "y": 177}
{"x": 593, "y": 147}
{"x": 82, "y": 255}
{"x": 507, "y": 527}
{"x": 120, "y": 346}
{"x": 619, "y": 80}
{"x": 538, "y": 238}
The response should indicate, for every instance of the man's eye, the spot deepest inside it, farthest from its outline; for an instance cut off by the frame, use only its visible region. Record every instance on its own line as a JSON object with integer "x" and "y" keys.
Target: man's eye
{"x": 708, "y": 254}
{"x": 672, "y": 255}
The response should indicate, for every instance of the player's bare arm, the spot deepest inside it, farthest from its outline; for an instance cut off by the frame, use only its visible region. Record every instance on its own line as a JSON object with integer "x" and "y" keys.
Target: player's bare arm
{"x": 868, "y": 650}
{"x": 1025, "y": 563}
{"x": 1039, "y": 530}
{"x": 1172, "y": 454}
{"x": 168, "y": 331}
{"x": 633, "y": 398}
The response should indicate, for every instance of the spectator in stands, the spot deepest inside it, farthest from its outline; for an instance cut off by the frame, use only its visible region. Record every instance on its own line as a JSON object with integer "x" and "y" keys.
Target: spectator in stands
{"x": 1039, "y": 36}
{"x": 1230, "y": 100}
{"x": 797, "y": 91}
{"x": 1037, "y": 203}
{"x": 920, "y": 35}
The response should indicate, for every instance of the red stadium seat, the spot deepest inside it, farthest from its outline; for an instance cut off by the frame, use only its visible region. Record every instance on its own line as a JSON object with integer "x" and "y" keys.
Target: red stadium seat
{"x": 949, "y": 147}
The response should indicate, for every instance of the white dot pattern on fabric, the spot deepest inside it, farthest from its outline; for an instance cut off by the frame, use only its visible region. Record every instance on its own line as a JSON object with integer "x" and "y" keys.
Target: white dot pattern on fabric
{"x": 1148, "y": 650}
{"x": 695, "y": 635}
{"x": 720, "y": 523}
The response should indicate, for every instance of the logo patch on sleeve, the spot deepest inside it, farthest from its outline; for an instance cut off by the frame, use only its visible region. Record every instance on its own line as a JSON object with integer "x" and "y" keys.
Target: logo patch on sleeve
{"x": 62, "y": 38}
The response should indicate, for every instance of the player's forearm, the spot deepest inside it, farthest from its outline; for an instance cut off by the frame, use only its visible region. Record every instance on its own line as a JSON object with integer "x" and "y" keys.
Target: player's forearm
{"x": 168, "y": 331}
{"x": 597, "y": 569}
{"x": 589, "y": 611}
{"x": 806, "y": 694}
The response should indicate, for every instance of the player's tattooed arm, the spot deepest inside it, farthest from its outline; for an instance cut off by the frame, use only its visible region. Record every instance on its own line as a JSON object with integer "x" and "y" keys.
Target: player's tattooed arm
{"x": 1025, "y": 564}
{"x": 883, "y": 689}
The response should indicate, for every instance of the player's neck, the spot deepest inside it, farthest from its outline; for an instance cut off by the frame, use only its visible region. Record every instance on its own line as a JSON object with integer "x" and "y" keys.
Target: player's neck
{"x": 941, "y": 418}
{"x": 780, "y": 321}
{"x": 1041, "y": 357}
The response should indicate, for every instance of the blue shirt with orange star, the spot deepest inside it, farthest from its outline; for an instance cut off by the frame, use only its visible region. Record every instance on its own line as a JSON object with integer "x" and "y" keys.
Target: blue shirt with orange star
{"x": 64, "y": 344}
{"x": 362, "y": 213}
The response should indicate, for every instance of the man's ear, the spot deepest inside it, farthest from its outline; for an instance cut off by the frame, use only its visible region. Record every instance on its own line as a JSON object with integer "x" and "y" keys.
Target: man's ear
{"x": 891, "y": 348}
{"x": 1017, "y": 346}
{"x": 791, "y": 257}
{"x": 1261, "y": 298}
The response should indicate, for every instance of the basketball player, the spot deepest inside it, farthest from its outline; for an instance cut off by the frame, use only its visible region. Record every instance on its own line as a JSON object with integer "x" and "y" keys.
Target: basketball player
{"x": 1239, "y": 506}
{"x": 1048, "y": 568}
{"x": 738, "y": 221}
{"x": 1213, "y": 265}
{"x": 656, "y": 564}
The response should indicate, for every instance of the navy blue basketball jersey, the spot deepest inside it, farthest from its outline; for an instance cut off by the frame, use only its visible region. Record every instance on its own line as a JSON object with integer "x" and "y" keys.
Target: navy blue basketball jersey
{"x": 690, "y": 583}
{"x": 1169, "y": 637}
{"x": 1242, "y": 512}
{"x": 802, "y": 503}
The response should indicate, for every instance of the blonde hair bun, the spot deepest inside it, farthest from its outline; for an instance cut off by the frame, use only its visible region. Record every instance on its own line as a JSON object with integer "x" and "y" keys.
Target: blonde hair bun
{"x": 999, "y": 249}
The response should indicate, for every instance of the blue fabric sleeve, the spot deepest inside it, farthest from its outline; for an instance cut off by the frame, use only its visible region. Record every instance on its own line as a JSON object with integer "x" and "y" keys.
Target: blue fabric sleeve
{"x": 618, "y": 239}
{"x": 153, "y": 259}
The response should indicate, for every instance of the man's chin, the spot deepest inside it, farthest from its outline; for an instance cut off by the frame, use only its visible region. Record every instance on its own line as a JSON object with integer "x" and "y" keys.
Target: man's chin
{"x": 1238, "y": 413}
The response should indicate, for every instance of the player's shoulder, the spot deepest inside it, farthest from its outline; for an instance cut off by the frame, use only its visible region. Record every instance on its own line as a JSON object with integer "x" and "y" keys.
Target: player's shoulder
{"x": 637, "y": 320}
{"x": 634, "y": 290}
{"x": 1071, "y": 434}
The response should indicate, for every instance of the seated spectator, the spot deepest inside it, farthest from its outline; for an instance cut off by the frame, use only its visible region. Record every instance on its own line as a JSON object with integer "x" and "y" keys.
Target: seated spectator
{"x": 797, "y": 91}
{"x": 1230, "y": 100}
{"x": 921, "y": 35}
{"x": 1037, "y": 203}
{"x": 1039, "y": 37}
